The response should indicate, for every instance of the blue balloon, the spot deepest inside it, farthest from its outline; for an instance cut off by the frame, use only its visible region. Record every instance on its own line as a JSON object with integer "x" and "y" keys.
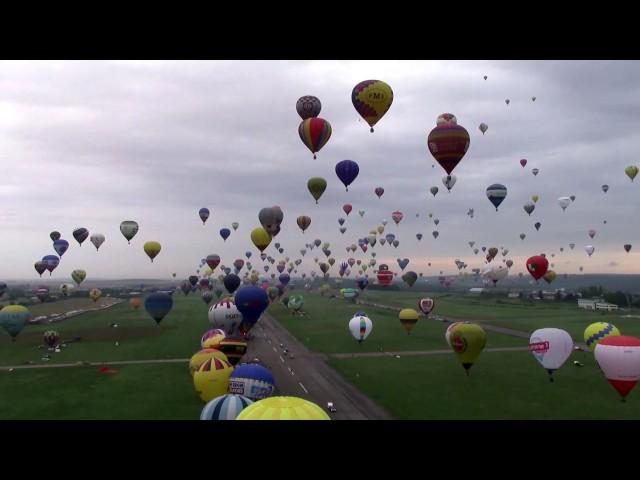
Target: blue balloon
{"x": 284, "y": 278}
{"x": 248, "y": 254}
{"x": 60, "y": 246}
{"x": 362, "y": 282}
{"x": 251, "y": 301}
{"x": 317, "y": 242}
{"x": 158, "y": 305}
{"x": 390, "y": 237}
{"x": 347, "y": 171}
{"x": 231, "y": 282}
{"x": 51, "y": 262}
{"x": 225, "y": 407}
{"x": 252, "y": 381}
{"x": 496, "y": 193}
{"x": 204, "y": 214}
{"x": 224, "y": 233}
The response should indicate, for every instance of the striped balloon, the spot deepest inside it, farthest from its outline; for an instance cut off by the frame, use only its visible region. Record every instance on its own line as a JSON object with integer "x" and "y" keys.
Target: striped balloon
{"x": 496, "y": 193}
{"x": 448, "y": 142}
{"x": 314, "y": 133}
{"x": 226, "y": 407}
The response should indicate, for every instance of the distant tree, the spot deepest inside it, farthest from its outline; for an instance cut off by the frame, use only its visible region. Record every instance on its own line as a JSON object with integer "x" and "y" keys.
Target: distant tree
{"x": 618, "y": 297}
{"x": 592, "y": 291}
{"x": 540, "y": 294}
{"x": 558, "y": 295}
{"x": 570, "y": 297}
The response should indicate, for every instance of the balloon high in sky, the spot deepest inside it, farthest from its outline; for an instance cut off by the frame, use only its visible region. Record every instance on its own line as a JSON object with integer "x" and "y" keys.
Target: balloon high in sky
{"x": 203, "y": 166}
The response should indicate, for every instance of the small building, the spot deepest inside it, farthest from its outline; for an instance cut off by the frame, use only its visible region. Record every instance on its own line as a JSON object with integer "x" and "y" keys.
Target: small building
{"x": 513, "y": 295}
{"x": 476, "y": 291}
{"x": 606, "y": 306}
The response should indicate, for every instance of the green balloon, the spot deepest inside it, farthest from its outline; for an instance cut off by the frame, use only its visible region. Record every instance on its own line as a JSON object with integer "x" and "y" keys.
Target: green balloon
{"x": 317, "y": 186}
{"x": 296, "y": 302}
{"x": 467, "y": 341}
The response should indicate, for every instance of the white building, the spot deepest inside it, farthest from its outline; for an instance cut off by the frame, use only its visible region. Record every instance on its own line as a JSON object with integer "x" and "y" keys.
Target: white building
{"x": 476, "y": 291}
{"x": 596, "y": 304}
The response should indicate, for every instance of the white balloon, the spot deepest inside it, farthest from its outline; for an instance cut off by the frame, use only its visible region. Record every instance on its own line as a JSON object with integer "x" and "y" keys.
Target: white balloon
{"x": 225, "y": 316}
{"x": 551, "y": 347}
{"x": 360, "y": 326}
{"x": 589, "y": 249}
{"x": 97, "y": 239}
{"x": 620, "y": 363}
{"x": 564, "y": 202}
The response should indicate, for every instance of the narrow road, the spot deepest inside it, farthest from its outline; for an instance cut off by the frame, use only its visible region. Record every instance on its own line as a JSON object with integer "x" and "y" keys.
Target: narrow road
{"x": 308, "y": 375}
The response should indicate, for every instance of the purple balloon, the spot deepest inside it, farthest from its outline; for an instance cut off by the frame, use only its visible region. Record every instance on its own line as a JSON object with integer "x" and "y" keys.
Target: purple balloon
{"x": 347, "y": 171}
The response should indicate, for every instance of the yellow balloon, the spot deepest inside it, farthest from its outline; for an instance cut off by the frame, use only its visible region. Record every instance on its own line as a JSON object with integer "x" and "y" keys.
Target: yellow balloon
{"x": 211, "y": 380}
{"x": 152, "y": 249}
{"x": 202, "y": 356}
{"x": 535, "y": 198}
{"x": 467, "y": 340}
{"x": 598, "y": 331}
{"x": 408, "y": 318}
{"x": 260, "y": 238}
{"x": 372, "y": 99}
{"x": 212, "y": 341}
{"x": 283, "y": 408}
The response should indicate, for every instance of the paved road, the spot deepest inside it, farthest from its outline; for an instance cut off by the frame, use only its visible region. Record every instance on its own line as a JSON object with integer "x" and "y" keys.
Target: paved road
{"x": 414, "y": 353}
{"x": 308, "y": 375}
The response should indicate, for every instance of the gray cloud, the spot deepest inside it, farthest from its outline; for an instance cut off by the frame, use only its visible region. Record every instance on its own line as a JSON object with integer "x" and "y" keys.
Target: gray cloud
{"x": 94, "y": 143}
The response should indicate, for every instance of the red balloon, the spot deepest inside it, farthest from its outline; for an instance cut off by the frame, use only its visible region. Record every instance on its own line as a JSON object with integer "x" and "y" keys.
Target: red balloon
{"x": 385, "y": 277}
{"x": 537, "y": 266}
{"x": 448, "y": 143}
{"x": 618, "y": 358}
{"x": 347, "y": 208}
{"x": 523, "y": 162}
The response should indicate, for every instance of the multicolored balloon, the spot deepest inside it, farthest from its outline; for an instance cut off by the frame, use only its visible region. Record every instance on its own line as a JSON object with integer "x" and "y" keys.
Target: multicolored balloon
{"x": 314, "y": 133}
{"x": 372, "y": 99}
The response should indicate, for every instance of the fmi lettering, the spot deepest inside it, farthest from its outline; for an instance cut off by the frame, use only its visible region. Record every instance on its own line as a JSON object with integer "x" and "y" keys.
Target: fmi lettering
{"x": 376, "y": 96}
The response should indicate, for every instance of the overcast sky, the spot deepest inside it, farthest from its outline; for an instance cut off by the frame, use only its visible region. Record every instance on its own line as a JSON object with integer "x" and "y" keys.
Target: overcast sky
{"x": 90, "y": 144}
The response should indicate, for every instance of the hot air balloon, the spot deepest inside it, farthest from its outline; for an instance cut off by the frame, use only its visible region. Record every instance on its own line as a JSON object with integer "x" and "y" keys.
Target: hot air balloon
{"x": 360, "y": 326}
{"x": 211, "y": 380}
{"x": 260, "y": 238}
{"x": 523, "y": 162}
{"x": 347, "y": 171}
{"x": 434, "y": 191}
{"x": 408, "y": 318}
{"x": 496, "y": 193}
{"x": 537, "y": 266}
{"x": 129, "y": 228}
{"x": 283, "y": 408}
{"x": 303, "y": 222}
{"x": 631, "y": 171}
{"x": 314, "y": 133}
{"x": 483, "y": 127}
{"x": 347, "y": 208}
{"x": 225, "y": 407}
{"x": 42, "y": 293}
{"x": 495, "y": 272}
{"x": 564, "y": 202}
{"x": 410, "y": 278}
{"x": 372, "y": 99}
{"x": 379, "y": 191}
{"x": 95, "y": 294}
{"x": 158, "y": 305}
{"x": 231, "y": 282}
{"x": 619, "y": 360}
{"x": 224, "y": 233}
{"x": 426, "y": 305}
{"x": 97, "y": 239}
{"x": 537, "y": 225}
{"x": 397, "y": 217}
{"x": 467, "y": 340}
{"x": 308, "y": 106}
{"x": 54, "y": 236}
{"x": 226, "y": 316}
{"x": 251, "y": 301}
{"x": 627, "y": 247}
{"x": 78, "y": 276}
{"x": 529, "y": 207}
{"x": 419, "y": 236}
{"x": 597, "y": 331}
{"x": 270, "y": 218}
{"x": 535, "y": 171}
{"x": 152, "y": 249}
{"x": 449, "y": 181}
{"x": 50, "y": 262}
{"x": 507, "y": 101}
{"x": 60, "y": 246}
{"x": 13, "y": 319}
{"x": 605, "y": 188}
{"x": 316, "y": 186}
{"x": 80, "y": 234}
{"x": 51, "y": 338}
{"x": 448, "y": 142}
{"x": 135, "y": 302}
{"x": 589, "y": 249}
{"x": 204, "y": 214}
{"x": 253, "y": 381}
{"x": 551, "y": 347}
{"x": 212, "y": 261}
{"x": 235, "y": 226}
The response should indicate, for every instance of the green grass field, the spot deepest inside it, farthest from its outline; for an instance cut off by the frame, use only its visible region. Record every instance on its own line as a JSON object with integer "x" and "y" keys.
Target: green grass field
{"x": 502, "y": 385}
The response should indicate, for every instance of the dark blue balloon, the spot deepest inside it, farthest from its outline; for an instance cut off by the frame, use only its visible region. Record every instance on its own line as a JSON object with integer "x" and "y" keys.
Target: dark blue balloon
{"x": 362, "y": 282}
{"x": 231, "y": 282}
{"x": 193, "y": 280}
{"x": 60, "y": 246}
{"x": 51, "y": 262}
{"x": 496, "y": 193}
{"x": 253, "y": 371}
{"x": 347, "y": 171}
{"x": 251, "y": 301}
{"x": 158, "y": 305}
{"x": 284, "y": 278}
{"x": 80, "y": 234}
{"x": 224, "y": 233}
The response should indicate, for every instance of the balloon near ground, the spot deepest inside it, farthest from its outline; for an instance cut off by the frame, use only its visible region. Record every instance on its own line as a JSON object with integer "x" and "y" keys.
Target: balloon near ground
{"x": 202, "y": 356}
{"x": 211, "y": 380}
{"x": 551, "y": 347}
{"x": 619, "y": 360}
{"x": 13, "y": 319}
{"x": 252, "y": 381}
{"x": 283, "y": 408}
{"x": 598, "y": 331}
{"x": 226, "y": 316}
{"x": 360, "y": 326}
{"x": 467, "y": 341}
{"x": 225, "y": 407}
{"x": 251, "y": 301}
{"x": 158, "y": 305}
{"x": 408, "y": 318}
